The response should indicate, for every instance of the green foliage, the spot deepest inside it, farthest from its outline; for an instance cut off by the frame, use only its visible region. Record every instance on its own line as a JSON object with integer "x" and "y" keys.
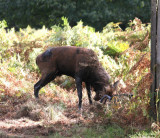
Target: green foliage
{"x": 28, "y": 43}
{"x": 146, "y": 133}
{"x": 21, "y": 13}
{"x": 3, "y": 24}
{"x": 116, "y": 47}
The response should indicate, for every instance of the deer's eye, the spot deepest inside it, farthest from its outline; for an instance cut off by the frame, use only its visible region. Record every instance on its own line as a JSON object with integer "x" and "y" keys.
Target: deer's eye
{"x": 100, "y": 95}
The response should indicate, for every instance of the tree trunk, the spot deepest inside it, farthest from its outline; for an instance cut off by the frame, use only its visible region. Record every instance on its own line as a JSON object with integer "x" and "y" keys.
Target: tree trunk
{"x": 158, "y": 63}
{"x": 153, "y": 57}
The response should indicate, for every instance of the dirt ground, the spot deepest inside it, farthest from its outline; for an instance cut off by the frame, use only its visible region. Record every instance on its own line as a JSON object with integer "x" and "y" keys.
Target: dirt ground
{"x": 27, "y": 117}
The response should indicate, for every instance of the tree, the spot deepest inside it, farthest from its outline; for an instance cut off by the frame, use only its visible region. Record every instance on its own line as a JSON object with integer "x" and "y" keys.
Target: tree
{"x": 155, "y": 60}
{"x": 95, "y": 13}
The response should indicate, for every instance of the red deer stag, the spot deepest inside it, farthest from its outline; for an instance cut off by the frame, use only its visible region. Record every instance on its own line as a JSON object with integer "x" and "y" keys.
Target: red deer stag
{"x": 80, "y": 63}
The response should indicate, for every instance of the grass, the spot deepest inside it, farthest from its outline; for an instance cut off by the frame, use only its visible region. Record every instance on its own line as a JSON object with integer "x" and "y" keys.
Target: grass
{"x": 147, "y": 134}
{"x": 108, "y": 131}
{"x": 78, "y": 131}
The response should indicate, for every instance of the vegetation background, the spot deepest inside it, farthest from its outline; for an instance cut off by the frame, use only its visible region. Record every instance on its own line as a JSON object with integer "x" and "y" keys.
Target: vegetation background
{"x": 30, "y": 27}
{"x": 95, "y": 13}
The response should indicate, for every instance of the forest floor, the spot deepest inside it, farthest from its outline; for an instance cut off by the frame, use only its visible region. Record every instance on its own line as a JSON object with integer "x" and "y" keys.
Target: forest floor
{"x": 25, "y": 116}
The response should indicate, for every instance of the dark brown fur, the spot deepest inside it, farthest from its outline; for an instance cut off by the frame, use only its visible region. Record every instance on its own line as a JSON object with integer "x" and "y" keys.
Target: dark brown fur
{"x": 79, "y": 63}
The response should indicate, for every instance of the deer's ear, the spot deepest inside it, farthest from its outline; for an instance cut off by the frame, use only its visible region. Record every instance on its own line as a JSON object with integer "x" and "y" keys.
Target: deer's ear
{"x": 115, "y": 85}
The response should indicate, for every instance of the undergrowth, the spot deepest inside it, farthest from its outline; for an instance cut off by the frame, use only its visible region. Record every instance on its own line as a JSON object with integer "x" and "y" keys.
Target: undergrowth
{"x": 124, "y": 54}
